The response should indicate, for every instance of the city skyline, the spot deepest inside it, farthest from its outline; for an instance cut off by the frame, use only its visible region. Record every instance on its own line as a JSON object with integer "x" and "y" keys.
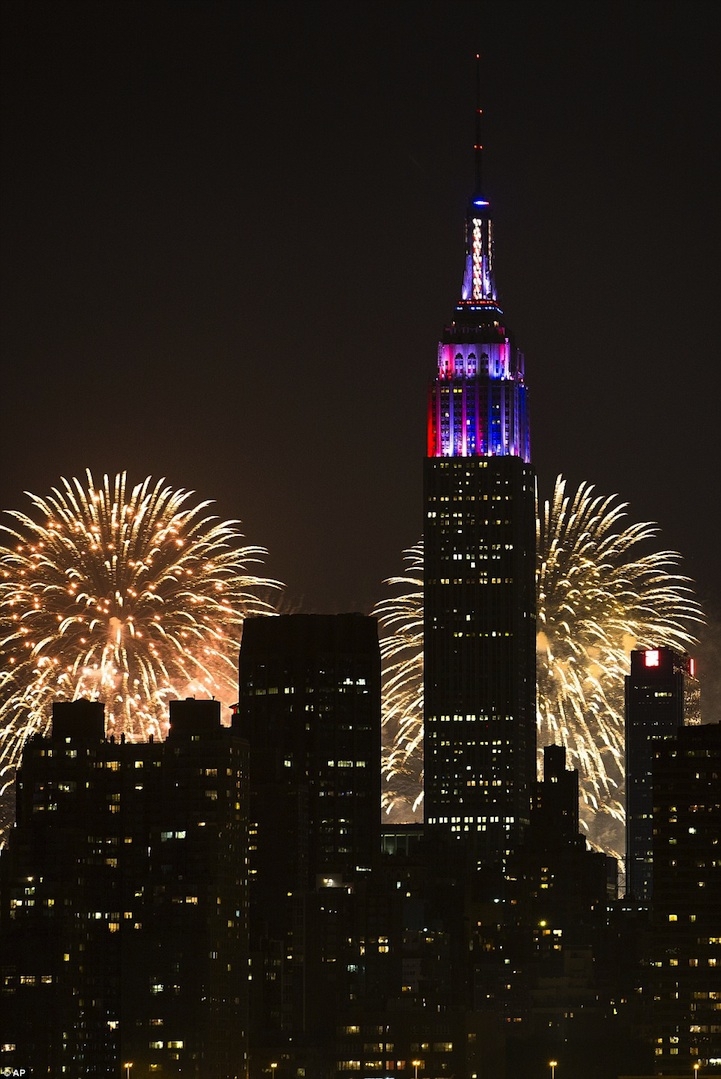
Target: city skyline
{"x": 182, "y": 179}
{"x": 229, "y": 251}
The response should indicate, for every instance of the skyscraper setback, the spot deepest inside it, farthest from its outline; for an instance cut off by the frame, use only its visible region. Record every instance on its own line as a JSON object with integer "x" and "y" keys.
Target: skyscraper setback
{"x": 479, "y": 608}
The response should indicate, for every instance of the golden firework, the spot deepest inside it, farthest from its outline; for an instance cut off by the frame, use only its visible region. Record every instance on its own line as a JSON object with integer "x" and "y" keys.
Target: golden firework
{"x": 131, "y": 596}
{"x": 598, "y": 597}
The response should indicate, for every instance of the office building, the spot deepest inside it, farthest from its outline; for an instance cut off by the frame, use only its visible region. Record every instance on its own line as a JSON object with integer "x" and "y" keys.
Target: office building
{"x": 309, "y": 706}
{"x": 661, "y": 695}
{"x": 479, "y": 593}
{"x": 684, "y": 1000}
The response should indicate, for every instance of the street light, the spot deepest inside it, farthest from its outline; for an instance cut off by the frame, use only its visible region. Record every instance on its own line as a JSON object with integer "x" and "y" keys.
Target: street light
{"x": 697, "y": 1069}
{"x": 416, "y": 1065}
{"x": 127, "y": 1065}
{"x": 553, "y": 1064}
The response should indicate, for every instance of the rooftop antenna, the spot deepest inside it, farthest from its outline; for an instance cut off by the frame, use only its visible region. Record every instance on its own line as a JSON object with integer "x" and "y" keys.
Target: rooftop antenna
{"x": 478, "y": 146}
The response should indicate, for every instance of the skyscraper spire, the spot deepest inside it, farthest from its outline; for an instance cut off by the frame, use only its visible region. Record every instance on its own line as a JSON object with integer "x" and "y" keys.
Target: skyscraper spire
{"x": 478, "y": 404}
{"x": 479, "y": 287}
{"x": 478, "y": 147}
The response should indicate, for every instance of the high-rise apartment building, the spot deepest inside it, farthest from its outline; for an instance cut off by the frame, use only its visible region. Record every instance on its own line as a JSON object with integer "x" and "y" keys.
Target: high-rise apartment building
{"x": 661, "y": 695}
{"x": 684, "y": 964}
{"x": 123, "y": 901}
{"x": 479, "y": 593}
{"x": 309, "y": 706}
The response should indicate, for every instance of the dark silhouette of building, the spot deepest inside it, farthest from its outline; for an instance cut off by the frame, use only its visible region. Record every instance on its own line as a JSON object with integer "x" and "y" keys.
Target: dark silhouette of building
{"x": 554, "y": 801}
{"x": 684, "y": 964}
{"x": 555, "y": 853}
{"x": 123, "y": 901}
{"x": 309, "y": 706}
{"x": 661, "y": 694}
{"x": 479, "y": 591}
{"x": 558, "y": 892}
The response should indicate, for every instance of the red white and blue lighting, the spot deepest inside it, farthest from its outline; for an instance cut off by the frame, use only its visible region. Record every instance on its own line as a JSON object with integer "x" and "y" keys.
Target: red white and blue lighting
{"x": 477, "y": 405}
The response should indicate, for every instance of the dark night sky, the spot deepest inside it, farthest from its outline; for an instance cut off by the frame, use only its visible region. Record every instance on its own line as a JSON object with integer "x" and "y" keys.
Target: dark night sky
{"x": 232, "y": 234}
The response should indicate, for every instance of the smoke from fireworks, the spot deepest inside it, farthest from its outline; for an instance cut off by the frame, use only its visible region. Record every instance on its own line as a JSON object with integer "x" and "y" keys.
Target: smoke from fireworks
{"x": 598, "y": 597}
{"x": 128, "y": 596}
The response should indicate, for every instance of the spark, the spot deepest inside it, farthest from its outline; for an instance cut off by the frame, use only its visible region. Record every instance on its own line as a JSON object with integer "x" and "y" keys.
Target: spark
{"x": 130, "y": 596}
{"x": 401, "y": 643}
{"x": 598, "y": 598}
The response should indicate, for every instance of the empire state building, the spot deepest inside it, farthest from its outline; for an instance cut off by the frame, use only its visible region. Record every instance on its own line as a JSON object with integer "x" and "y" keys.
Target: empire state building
{"x": 479, "y": 594}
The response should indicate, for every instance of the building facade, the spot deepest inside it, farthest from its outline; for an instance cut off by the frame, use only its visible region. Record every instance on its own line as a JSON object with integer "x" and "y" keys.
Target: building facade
{"x": 684, "y": 965}
{"x": 661, "y": 695}
{"x": 309, "y": 706}
{"x": 123, "y": 901}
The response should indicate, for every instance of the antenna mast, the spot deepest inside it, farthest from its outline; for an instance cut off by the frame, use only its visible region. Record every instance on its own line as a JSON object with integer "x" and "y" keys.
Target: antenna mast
{"x": 478, "y": 147}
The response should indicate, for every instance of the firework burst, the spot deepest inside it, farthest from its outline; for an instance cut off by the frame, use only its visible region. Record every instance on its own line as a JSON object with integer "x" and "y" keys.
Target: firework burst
{"x": 131, "y": 596}
{"x": 401, "y": 619}
{"x": 598, "y": 597}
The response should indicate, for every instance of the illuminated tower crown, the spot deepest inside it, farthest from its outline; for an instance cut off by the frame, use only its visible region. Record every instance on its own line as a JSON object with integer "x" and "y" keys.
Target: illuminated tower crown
{"x": 477, "y": 405}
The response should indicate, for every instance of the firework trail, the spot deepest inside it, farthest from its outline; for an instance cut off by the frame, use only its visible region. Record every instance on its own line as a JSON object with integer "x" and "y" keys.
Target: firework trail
{"x": 401, "y": 641}
{"x": 128, "y": 596}
{"x": 598, "y": 597}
